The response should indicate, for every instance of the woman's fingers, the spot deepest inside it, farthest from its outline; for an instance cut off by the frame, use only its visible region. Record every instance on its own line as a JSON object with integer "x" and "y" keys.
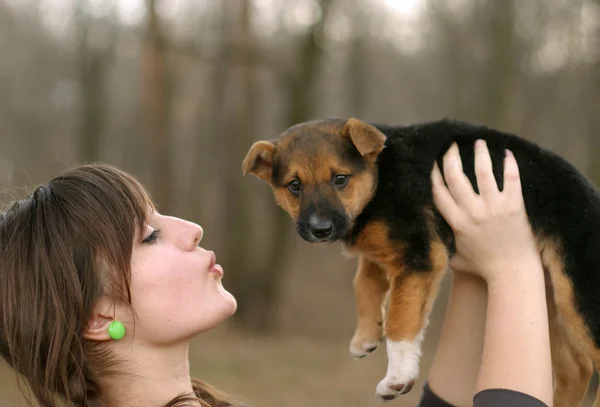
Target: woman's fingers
{"x": 512, "y": 180}
{"x": 458, "y": 184}
{"x": 484, "y": 172}
{"x": 458, "y": 203}
{"x": 442, "y": 198}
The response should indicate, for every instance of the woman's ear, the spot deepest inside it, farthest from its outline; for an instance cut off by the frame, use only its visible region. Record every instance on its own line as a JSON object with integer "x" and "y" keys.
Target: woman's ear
{"x": 102, "y": 316}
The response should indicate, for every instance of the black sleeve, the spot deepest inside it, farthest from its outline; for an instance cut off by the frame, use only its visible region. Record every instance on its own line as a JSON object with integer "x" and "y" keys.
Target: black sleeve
{"x": 485, "y": 398}
{"x": 430, "y": 399}
{"x": 505, "y": 398}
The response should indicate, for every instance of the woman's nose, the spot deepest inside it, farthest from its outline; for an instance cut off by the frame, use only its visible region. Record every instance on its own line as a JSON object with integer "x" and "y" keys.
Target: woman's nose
{"x": 198, "y": 232}
{"x": 187, "y": 234}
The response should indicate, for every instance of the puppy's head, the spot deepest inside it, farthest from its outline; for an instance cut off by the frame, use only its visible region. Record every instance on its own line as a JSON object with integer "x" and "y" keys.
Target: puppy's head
{"x": 322, "y": 173}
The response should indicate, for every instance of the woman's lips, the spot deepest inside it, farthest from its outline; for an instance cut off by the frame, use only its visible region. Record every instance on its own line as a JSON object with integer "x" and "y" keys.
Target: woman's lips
{"x": 213, "y": 267}
{"x": 217, "y": 269}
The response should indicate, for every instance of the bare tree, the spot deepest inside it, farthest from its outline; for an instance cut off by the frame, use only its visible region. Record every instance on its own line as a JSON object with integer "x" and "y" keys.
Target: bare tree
{"x": 356, "y": 78}
{"x": 594, "y": 114}
{"x": 239, "y": 131}
{"x": 156, "y": 106}
{"x": 502, "y": 62}
{"x": 92, "y": 61}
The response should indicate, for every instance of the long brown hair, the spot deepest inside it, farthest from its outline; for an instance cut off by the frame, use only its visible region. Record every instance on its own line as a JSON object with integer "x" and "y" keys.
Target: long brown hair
{"x": 61, "y": 248}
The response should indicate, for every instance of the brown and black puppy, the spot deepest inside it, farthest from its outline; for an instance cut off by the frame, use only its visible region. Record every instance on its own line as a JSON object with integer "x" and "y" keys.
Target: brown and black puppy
{"x": 369, "y": 187}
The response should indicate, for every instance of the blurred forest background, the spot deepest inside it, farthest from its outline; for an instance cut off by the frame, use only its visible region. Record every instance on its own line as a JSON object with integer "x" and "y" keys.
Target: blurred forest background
{"x": 176, "y": 91}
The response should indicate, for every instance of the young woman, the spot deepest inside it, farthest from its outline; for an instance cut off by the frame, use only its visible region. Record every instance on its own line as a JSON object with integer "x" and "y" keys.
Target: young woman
{"x": 500, "y": 358}
{"x": 100, "y": 294}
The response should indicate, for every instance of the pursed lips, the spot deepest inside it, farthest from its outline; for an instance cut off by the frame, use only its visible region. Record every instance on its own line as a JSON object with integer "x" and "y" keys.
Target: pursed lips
{"x": 213, "y": 267}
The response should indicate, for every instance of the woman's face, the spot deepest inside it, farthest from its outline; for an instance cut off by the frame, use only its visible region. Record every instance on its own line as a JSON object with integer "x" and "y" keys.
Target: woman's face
{"x": 176, "y": 285}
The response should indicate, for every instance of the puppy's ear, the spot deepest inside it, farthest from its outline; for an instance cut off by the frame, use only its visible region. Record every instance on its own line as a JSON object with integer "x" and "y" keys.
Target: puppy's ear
{"x": 366, "y": 138}
{"x": 259, "y": 160}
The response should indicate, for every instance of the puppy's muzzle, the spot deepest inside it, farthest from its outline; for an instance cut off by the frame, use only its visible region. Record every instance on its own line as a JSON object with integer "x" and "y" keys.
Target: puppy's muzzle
{"x": 320, "y": 228}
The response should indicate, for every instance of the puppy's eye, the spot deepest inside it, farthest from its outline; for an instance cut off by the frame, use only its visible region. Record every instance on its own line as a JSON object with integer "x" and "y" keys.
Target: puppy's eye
{"x": 294, "y": 186}
{"x": 341, "y": 180}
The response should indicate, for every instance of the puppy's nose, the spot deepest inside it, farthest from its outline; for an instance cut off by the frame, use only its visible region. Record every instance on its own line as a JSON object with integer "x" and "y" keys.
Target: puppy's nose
{"x": 320, "y": 228}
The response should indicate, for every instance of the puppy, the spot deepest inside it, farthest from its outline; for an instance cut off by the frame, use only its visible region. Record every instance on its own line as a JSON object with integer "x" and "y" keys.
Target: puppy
{"x": 368, "y": 186}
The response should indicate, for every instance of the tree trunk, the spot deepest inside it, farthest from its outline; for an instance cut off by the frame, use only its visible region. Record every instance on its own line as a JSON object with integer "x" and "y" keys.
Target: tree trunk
{"x": 594, "y": 115}
{"x": 356, "y": 68}
{"x": 501, "y": 63}
{"x": 240, "y": 132}
{"x": 156, "y": 108}
{"x": 91, "y": 63}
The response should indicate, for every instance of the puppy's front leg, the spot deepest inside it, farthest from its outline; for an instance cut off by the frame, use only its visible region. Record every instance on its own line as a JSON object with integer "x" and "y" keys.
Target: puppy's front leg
{"x": 411, "y": 298}
{"x": 370, "y": 287}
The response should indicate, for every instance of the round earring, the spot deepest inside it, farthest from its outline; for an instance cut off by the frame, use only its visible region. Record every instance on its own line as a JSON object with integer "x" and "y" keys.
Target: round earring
{"x": 116, "y": 330}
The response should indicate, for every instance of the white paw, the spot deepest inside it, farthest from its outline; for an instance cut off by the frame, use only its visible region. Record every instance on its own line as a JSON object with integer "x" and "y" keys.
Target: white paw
{"x": 403, "y": 368}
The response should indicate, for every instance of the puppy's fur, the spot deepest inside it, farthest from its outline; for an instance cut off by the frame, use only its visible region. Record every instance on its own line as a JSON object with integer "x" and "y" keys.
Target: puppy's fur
{"x": 369, "y": 187}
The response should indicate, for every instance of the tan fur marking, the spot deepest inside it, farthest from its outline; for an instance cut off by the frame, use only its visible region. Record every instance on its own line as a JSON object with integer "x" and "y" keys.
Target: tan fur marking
{"x": 412, "y": 297}
{"x": 366, "y": 138}
{"x": 571, "y": 343}
{"x": 572, "y": 368}
{"x": 563, "y": 294}
{"x": 259, "y": 160}
{"x": 374, "y": 242}
{"x": 332, "y": 128}
{"x": 439, "y": 256}
{"x": 287, "y": 201}
{"x": 357, "y": 194}
{"x": 370, "y": 286}
{"x": 315, "y": 169}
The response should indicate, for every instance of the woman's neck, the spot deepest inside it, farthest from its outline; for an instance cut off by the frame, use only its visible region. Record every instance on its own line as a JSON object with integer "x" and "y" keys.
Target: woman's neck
{"x": 151, "y": 376}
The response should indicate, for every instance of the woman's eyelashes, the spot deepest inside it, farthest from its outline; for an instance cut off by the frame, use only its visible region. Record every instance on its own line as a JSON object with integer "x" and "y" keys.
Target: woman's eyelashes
{"x": 151, "y": 237}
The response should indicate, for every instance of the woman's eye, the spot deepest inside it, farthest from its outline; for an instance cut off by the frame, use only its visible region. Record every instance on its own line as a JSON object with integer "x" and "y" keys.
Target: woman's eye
{"x": 151, "y": 237}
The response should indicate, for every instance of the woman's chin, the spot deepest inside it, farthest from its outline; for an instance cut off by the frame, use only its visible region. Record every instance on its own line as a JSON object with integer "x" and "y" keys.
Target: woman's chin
{"x": 231, "y": 302}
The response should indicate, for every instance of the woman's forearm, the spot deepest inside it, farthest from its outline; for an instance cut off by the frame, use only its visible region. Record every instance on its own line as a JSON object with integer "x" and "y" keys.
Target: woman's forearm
{"x": 516, "y": 349}
{"x": 454, "y": 371}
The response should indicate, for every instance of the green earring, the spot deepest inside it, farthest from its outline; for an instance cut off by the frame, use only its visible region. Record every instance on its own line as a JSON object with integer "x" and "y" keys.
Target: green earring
{"x": 116, "y": 330}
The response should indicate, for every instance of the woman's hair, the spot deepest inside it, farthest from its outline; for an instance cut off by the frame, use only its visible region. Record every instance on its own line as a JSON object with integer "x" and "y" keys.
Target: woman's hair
{"x": 62, "y": 248}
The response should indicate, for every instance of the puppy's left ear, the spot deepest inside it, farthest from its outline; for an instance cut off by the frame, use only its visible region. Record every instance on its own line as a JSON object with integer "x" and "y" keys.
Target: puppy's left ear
{"x": 259, "y": 160}
{"x": 366, "y": 138}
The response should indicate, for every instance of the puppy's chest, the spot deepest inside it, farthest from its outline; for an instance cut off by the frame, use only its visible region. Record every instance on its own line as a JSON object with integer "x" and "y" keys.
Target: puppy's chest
{"x": 374, "y": 242}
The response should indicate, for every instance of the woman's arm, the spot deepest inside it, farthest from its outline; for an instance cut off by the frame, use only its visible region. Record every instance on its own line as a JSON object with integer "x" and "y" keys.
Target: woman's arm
{"x": 516, "y": 347}
{"x": 494, "y": 240}
{"x": 455, "y": 367}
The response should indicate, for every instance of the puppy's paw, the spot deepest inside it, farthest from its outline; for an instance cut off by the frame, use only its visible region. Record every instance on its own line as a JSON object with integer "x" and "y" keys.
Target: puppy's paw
{"x": 390, "y": 388}
{"x": 360, "y": 349}
{"x": 403, "y": 369}
{"x": 363, "y": 344}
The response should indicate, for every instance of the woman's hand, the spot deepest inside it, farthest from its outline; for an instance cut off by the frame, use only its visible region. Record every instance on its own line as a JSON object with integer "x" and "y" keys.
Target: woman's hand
{"x": 495, "y": 241}
{"x": 491, "y": 229}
